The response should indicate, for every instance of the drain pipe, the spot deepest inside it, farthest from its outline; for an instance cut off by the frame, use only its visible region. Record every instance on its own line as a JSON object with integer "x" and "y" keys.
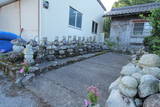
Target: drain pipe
{"x": 20, "y": 20}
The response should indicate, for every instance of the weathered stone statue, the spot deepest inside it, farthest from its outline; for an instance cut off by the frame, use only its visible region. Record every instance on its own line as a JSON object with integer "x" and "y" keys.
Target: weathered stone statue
{"x": 28, "y": 54}
{"x": 18, "y": 45}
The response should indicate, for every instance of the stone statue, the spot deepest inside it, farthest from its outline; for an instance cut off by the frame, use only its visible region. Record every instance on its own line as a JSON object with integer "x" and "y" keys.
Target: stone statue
{"x": 28, "y": 54}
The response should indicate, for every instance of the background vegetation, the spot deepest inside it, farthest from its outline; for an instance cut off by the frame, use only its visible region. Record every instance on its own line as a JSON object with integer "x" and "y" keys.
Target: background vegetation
{"x": 122, "y": 3}
{"x": 152, "y": 42}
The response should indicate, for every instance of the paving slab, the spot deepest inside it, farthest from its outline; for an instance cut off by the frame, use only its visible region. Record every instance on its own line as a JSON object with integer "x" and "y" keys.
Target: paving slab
{"x": 66, "y": 87}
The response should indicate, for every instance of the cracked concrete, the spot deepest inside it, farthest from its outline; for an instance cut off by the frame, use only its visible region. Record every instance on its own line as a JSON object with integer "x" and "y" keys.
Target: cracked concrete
{"x": 65, "y": 87}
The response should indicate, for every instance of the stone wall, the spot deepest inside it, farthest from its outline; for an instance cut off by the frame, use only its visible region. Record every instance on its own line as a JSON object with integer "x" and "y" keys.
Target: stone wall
{"x": 138, "y": 84}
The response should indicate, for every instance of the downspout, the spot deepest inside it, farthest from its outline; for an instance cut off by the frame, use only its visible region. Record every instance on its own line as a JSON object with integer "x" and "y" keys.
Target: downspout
{"x": 39, "y": 30}
{"x": 20, "y": 19}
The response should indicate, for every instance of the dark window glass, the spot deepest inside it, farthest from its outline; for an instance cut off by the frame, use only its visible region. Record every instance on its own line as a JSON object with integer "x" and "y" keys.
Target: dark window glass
{"x": 94, "y": 27}
{"x": 72, "y": 17}
{"x": 79, "y": 20}
{"x": 75, "y": 18}
{"x": 138, "y": 28}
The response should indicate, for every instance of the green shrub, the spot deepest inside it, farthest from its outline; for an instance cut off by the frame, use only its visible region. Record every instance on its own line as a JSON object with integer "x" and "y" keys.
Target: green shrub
{"x": 110, "y": 44}
{"x": 153, "y": 42}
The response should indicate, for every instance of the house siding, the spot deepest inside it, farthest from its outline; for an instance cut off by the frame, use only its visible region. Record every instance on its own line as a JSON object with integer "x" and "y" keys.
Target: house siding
{"x": 122, "y": 32}
{"x": 20, "y": 14}
{"x": 9, "y": 18}
{"x": 55, "y": 20}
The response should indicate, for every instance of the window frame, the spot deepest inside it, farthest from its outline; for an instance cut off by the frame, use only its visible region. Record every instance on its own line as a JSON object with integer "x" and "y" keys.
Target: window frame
{"x": 94, "y": 28}
{"x": 147, "y": 28}
{"x": 136, "y": 28}
{"x": 76, "y": 18}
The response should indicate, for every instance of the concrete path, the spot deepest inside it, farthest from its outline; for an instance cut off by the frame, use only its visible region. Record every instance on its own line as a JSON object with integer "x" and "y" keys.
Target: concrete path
{"x": 66, "y": 87}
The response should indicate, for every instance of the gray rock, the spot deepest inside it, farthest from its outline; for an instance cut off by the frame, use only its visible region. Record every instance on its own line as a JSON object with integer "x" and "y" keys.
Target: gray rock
{"x": 19, "y": 42}
{"x": 115, "y": 84}
{"x": 117, "y": 100}
{"x": 148, "y": 85}
{"x": 152, "y": 101}
{"x": 33, "y": 69}
{"x": 17, "y": 48}
{"x": 129, "y": 82}
{"x": 138, "y": 102}
{"x": 150, "y": 60}
{"x": 129, "y": 92}
{"x": 137, "y": 76}
{"x": 28, "y": 77}
{"x": 128, "y": 86}
{"x": 155, "y": 71}
{"x": 130, "y": 69}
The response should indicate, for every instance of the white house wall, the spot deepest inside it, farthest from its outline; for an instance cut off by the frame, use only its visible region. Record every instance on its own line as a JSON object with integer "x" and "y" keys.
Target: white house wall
{"x": 29, "y": 18}
{"x": 9, "y": 18}
{"x": 55, "y": 20}
{"x": 15, "y": 16}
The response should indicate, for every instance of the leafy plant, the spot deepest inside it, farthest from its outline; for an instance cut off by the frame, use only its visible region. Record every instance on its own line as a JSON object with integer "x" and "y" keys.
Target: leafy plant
{"x": 25, "y": 68}
{"x": 110, "y": 44}
{"x": 153, "y": 42}
{"x": 93, "y": 95}
{"x": 106, "y": 26}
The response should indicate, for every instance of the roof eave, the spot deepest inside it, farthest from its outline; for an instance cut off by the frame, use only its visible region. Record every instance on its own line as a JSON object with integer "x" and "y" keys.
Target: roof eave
{"x": 104, "y": 8}
{"x": 9, "y": 2}
{"x": 127, "y": 14}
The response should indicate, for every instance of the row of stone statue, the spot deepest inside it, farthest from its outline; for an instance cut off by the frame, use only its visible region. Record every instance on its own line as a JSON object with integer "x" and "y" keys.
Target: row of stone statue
{"x": 47, "y": 50}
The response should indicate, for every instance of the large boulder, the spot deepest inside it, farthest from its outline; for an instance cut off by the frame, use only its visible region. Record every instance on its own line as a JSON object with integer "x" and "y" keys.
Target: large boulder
{"x": 137, "y": 76}
{"x": 116, "y": 99}
{"x": 155, "y": 71}
{"x": 128, "y": 86}
{"x": 152, "y": 101}
{"x": 130, "y": 69}
{"x": 115, "y": 84}
{"x": 148, "y": 85}
{"x": 150, "y": 60}
{"x": 129, "y": 81}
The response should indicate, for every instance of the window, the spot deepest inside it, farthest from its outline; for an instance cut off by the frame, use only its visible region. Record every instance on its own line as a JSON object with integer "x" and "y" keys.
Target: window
{"x": 138, "y": 28}
{"x": 143, "y": 28}
{"x": 94, "y": 27}
{"x": 75, "y": 18}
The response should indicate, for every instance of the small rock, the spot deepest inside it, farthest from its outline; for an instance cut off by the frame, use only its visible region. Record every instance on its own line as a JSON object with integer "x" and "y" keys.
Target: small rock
{"x": 130, "y": 69}
{"x": 150, "y": 60}
{"x": 33, "y": 69}
{"x": 138, "y": 102}
{"x": 152, "y": 101}
{"x": 1, "y": 73}
{"x": 155, "y": 71}
{"x": 19, "y": 42}
{"x": 148, "y": 85}
{"x": 17, "y": 48}
{"x": 28, "y": 77}
{"x": 117, "y": 100}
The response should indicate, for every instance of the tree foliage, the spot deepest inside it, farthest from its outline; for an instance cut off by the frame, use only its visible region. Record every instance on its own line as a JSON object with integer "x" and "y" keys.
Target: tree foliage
{"x": 153, "y": 41}
{"x": 106, "y": 27}
{"x": 122, "y": 3}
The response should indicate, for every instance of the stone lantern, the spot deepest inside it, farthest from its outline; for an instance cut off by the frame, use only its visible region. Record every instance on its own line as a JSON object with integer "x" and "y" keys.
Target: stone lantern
{"x": 28, "y": 54}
